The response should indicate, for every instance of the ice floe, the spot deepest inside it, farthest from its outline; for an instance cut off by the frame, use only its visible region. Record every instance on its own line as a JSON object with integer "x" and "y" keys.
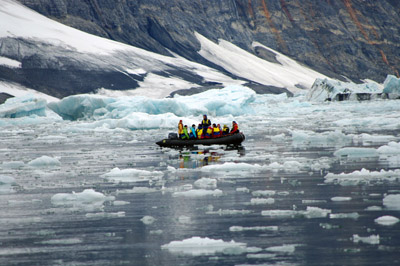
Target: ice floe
{"x": 253, "y": 228}
{"x": 44, "y": 161}
{"x": 372, "y": 239}
{"x": 282, "y": 249}
{"x": 387, "y": 220}
{"x": 148, "y": 219}
{"x": 363, "y": 176}
{"x": 87, "y": 200}
{"x": 132, "y": 175}
{"x": 310, "y": 212}
{"x": 392, "y": 202}
{"x": 206, "y": 183}
{"x": 198, "y": 246}
{"x": 197, "y": 193}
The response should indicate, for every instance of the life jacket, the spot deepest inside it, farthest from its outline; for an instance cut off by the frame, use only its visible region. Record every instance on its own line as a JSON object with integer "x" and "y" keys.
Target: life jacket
{"x": 235, "y": 128}
{"x": 206, "y": 123}
{"x": 199, "y": 133}
{"x": 217, "y": 131}
{"x": 225, "y": 131}
{"x": 209, "y": 131}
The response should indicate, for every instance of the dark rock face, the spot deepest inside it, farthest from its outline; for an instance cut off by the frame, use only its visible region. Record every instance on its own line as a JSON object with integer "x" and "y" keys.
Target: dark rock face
{"x": 354, "y": 38}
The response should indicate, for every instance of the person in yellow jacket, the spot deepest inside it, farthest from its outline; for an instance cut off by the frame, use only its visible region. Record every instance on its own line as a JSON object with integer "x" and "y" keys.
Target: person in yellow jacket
{"x": 199, "y": 132}
{"x": 180, "y": 129}
{"x": 216, "y": 131}
{"x": 209, "y": 132}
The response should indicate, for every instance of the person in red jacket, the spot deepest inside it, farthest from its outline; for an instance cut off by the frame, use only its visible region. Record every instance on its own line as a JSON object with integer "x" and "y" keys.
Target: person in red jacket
{"x": 235, "y": 128}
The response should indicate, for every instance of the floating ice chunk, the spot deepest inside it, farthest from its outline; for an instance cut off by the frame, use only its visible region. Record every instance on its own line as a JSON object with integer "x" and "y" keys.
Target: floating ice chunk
{"x": 183, "y": 219}
{"x": 310, "y": 213}
{"x": 13, "y": 165}
{"x": 253, "y": 228}
{"x": 137, "y": 190}
{"x": 243, "y": 189}
{"x": 340, "y": 198}
{"x": 289, "y": 166}
{"x": 6, "y": 180}
{"x": 28, "y": 105}
{"x": 372, "y": 239}
{"x": 391, "y": 148}
{"x": 373, "y": 208}
{"x": 392, "y": 202}
{"x": 325, "y": 89}
{"x": 260, "y": 201}
{"x": 280, "y": 213}
{"x": 147, "y": 220}
{"x": 282, "y": 249}
{"x": 132, "y": 175}
{"x": 44, "y": 161}
{"x": 263, "y": 193}
{"x": 351, "y": 215}
{"x": 198, "y": 246}
{"x": 229, "y": 212}
{"x": 66, "y": 241}
{"x": 324, "y": 139}
{"x": 206, "y": 183}
{"x": 391, "y": 85}
{"x": 386, "y": 220}
{"x": 86, "y": 200}
{"x": 232, "y": 167}
{"x": 354, "y": 152}
{"x": 100, "y": 215}
{"x": 6, "y": 183}
{"x": 363, "y": 176}
{"x": 120, "y": 203}
{"x": 197, "y": 193}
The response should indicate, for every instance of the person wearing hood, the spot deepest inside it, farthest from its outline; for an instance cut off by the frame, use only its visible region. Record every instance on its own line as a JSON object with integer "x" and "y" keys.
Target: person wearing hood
{"x": 225, "y": 130}
{"x": 192, "y": 133}
{"x": 235, "y": 128}
{"x": 185, "y": 133}
{"x": 205, "y": 123}
{"x": 180, "y": 129}
{"x": 199, "y": 131}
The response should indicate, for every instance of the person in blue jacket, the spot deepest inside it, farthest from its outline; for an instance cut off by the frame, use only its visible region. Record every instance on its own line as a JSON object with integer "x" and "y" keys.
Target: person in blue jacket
{"x": 192, "y": 133}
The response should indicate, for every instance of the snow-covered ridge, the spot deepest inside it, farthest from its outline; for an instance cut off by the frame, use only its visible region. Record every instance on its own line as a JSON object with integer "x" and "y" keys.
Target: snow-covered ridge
{"x": 144, "y": 73}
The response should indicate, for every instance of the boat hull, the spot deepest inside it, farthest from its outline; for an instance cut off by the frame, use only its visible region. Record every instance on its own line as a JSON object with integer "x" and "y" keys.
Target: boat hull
{"x": 235, "y": 139}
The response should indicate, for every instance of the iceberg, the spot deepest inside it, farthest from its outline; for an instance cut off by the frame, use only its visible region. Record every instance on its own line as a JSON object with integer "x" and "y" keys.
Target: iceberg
{"x": 334, "y": 90}
{"x": 392, "y": 202}
{"x": 27, "y": 109}
{"x": 232, "y": 100}
{"x": 391, "y": 86}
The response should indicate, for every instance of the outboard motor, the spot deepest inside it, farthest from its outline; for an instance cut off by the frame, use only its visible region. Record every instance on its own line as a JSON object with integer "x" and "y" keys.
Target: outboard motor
{"x": 172, "y": 136}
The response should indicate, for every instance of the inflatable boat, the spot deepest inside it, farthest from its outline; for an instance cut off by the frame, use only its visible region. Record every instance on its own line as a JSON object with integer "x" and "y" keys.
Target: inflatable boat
{"x": 173, "y": 141}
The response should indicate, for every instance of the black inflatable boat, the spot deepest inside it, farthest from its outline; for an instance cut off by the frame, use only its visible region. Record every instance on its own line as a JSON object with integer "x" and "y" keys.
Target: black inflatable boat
{"x": 173, "y": 141}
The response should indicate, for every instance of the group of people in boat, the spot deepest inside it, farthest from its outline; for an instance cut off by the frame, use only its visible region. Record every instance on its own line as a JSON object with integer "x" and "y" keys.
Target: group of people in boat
{"x": 205, "y": 130}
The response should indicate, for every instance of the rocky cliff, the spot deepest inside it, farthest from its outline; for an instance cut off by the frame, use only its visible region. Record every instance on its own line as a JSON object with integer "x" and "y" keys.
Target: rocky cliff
{"x": 358, "y": 39}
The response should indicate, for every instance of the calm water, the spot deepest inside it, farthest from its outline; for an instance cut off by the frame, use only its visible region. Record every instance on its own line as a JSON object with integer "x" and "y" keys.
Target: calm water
{"x": 34, "y": 231}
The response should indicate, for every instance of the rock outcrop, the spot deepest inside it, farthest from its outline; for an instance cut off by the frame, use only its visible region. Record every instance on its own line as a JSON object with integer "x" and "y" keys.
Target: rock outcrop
{"x": 353, "y": 38}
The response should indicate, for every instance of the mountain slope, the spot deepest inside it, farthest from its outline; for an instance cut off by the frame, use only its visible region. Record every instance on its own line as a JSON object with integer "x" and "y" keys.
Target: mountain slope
{"x": 50, "y": 57}
{"x": 356, "y": 38}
